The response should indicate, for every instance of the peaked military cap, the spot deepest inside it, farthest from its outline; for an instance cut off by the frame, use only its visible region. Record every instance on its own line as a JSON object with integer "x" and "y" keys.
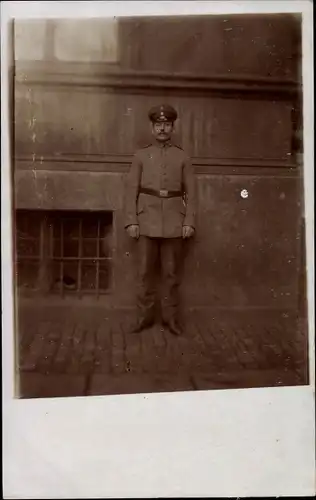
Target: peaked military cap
{"x": 163, "y": 113}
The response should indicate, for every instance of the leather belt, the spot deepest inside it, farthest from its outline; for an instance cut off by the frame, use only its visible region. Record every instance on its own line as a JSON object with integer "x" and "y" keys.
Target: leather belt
{"x": 162, "y": 193}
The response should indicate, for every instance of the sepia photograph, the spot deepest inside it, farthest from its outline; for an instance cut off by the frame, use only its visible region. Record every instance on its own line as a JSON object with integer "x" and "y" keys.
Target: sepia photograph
{"x": 157, "y": 229}
{"x": 158, "y": 204}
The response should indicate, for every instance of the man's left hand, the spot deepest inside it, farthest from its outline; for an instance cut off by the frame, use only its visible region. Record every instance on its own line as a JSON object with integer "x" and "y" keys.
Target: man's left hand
{"x": 187, "y": 232}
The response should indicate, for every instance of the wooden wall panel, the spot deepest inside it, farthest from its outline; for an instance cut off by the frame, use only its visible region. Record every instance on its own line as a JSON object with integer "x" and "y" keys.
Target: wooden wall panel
{"x": 57, "y": 120}
{"x": 258, "y": 45}
{"x": 247, "y": 251}
{"x": 62, "y": 190}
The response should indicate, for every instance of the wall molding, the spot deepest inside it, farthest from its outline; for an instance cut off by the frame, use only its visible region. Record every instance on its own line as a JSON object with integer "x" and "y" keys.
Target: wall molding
{"x": 119, "y": 164}
{"x": 106, "y": 76}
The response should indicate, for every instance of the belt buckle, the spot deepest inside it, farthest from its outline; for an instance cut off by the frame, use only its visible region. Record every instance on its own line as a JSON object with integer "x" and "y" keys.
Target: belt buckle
{"x": 163, "y": 193}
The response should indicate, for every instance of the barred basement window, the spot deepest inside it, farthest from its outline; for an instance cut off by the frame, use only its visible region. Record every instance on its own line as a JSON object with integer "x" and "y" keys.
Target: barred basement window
{"x": 64, "y": 252}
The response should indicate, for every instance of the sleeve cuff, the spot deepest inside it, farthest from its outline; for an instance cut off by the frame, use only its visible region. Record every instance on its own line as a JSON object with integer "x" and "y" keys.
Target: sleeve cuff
{"x": 189, "y": 221}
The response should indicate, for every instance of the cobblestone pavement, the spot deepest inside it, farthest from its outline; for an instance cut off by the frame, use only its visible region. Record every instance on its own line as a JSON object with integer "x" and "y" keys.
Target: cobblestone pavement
{"x": 94, "y": 353}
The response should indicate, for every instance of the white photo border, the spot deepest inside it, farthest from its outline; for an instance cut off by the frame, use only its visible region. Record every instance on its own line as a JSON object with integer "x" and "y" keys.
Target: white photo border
{"x": 249, "y": 442}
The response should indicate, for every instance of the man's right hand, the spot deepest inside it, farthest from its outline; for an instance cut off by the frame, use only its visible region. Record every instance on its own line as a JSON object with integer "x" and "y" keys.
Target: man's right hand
{"x": 133, "y": 231}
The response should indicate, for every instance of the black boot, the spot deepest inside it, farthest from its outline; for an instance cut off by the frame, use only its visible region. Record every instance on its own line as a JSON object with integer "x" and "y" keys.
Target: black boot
{"x": 174, "y": 327}
{"x": 142, "y": 324}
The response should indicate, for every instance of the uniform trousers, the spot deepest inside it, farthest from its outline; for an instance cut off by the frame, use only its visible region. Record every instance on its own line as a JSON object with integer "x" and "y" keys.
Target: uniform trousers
{"x": 158, "y": 256}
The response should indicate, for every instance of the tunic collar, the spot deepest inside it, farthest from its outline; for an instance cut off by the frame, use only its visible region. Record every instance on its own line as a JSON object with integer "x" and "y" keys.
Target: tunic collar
{"x": 162, "y": 145}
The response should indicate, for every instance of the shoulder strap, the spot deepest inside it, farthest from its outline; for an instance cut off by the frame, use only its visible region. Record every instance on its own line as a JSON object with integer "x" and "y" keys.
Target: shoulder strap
{"x": 177, "y": 146}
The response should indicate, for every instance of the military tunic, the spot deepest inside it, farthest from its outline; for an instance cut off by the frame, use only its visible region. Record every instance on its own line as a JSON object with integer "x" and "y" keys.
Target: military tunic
{"x": 160, "y": 167}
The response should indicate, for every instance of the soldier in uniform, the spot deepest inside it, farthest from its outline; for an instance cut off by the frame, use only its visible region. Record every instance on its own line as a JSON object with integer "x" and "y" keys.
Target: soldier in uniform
{"x": 160, "y": 212}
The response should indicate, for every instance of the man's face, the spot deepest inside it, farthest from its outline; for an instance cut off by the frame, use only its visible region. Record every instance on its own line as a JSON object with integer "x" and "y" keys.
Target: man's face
{"x": 162, "y": 130}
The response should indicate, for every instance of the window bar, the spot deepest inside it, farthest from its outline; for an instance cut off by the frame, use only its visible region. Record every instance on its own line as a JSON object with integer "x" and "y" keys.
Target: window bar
{"x": 80, "y": 259}
{"x": 51, "y": 253}
{"x": 61, "y": 267}
{"x": 51, "y": 241}
{"x": 41, "y": 256}
{"x": 41, "y": 267}
{"x": 97, "y": 280}
{"x": 65, "y": 259}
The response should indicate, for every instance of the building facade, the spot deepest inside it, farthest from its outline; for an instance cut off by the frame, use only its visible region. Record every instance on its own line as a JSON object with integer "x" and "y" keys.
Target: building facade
{"x": 82, "y": 92}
